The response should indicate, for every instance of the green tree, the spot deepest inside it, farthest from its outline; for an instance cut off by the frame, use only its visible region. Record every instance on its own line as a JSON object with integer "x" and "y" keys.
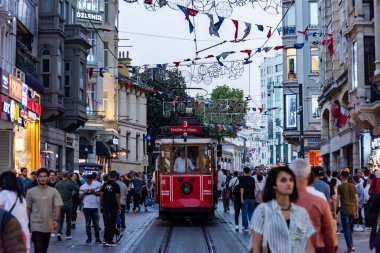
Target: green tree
{"x": 225, "y": 92}
{"x": 168, "y": 85}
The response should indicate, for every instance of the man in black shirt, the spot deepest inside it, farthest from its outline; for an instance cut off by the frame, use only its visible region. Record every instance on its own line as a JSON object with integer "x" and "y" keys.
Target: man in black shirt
{"x": 247, "y": 195}
{"x": 111, "y": 206}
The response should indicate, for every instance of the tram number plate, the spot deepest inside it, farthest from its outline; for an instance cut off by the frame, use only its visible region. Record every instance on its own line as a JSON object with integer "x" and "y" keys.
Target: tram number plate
{"x": 163, "y": 182}
{"x": 165, "y": 193}
{"x": 209, "y": 181}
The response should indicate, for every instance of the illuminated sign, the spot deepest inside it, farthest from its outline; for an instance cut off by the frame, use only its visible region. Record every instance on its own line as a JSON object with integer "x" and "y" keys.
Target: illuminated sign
{"x": 15, "y": 88}
{"x": 189, "y": 130}
{"x": 34, "y": 106}
{"x": 13, "y": 110}
{"x": 24, "y": 100}
{"x": 90, "y": 16}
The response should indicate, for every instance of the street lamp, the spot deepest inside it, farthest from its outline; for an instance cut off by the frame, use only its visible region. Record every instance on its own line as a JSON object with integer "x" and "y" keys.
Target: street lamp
{"x": 300, "y": 96}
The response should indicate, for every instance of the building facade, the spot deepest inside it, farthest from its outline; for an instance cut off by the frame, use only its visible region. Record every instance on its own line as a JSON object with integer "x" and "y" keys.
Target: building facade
{"x": 350, "y": 85}
{"x": 62, "y": 52}
{"x": 275, "y": 149}
{"x": 301, "y": 66}
{"x": 20, "y": 92}
{"x": 99, "y": 137}
{"x": 132, "y": 120}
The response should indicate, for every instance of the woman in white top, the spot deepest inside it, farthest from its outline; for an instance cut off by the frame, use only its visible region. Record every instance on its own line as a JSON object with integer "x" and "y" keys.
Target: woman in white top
{"x": 279, "y": 226}
{"x": 12, "y": 200}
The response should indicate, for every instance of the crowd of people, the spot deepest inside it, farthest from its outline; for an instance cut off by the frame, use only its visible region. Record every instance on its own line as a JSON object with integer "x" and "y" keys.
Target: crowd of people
{"x": 301, "y": 208}
{"x": 37, "y": 207}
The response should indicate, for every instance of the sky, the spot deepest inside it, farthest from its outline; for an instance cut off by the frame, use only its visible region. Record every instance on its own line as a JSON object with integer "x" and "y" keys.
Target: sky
{"x": 135, "y": 20}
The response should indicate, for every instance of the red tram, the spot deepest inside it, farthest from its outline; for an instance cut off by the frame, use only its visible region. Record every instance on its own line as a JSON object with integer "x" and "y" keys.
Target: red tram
{"x": 185, "y": 172}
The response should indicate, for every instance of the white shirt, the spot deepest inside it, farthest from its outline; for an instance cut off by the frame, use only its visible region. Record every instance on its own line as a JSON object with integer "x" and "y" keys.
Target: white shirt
{"x": 280, "y": 237}
{"x": 7, "y": 199}
{"x": 221, "y": 180}
{"x": 123, "y": 192}
{"x": 179, "y": 165}
{"x": 263, "y": 181}
{"x": 233, "y": 182}
{"x": 312, "y": 190}
{"x": 90, "y": 201}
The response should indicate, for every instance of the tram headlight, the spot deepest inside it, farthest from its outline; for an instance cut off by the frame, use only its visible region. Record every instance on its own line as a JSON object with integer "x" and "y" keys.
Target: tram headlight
{"x": 186, "y": 188}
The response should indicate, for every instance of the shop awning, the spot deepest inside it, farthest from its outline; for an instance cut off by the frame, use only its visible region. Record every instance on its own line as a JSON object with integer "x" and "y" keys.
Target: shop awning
{"x": 102, "y": 149}
{"x": 85, "y": 146}
{"x": 34, "y": 83}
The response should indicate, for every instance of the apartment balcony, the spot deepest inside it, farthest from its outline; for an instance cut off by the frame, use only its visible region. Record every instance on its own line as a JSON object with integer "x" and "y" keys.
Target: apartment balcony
{"x": 8, "y": 9}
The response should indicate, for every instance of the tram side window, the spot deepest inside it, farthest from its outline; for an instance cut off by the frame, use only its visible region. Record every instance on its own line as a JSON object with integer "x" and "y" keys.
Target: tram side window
{"x": 206, "y": 159}
{"x": 166, "y": 158}
{"x": 194, "y": 162}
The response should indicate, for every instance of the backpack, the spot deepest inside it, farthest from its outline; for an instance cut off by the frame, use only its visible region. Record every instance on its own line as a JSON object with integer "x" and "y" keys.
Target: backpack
{"x": 5, "y": 216}
{"x": 259, "y": 194}
{"x": 235, "y": 191}
{"x": 365, "y": 182}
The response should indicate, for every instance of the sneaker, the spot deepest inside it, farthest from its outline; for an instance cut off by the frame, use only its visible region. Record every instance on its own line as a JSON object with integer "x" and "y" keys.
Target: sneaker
{"x": 59, "y": 237}
{"x": 118, "y": 237}
{"x": 237, "y": 228}
{"x": 53, "y": 235}
{"x": 98, "y": 241}
{"x": 69, "y": 237}
{"x": 246, "y": 230}
{"x": 111, "y": 244}
{"x": 88, "y": 241}
{"x": 368, "y": 229}
{"x": 337, "y": 232}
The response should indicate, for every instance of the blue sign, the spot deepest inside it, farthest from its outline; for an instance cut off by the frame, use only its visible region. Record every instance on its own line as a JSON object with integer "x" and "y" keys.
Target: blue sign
{"x": 148, "y": 137}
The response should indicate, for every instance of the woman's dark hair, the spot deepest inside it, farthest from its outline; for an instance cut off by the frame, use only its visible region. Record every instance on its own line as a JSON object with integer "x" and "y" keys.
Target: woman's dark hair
{"x": 8, "y": 181}
{"x": 269, "y": 192}
{"x": 78, "y": 178}
{"x": 333, "y": 182}
{"x": 259, "y": 177}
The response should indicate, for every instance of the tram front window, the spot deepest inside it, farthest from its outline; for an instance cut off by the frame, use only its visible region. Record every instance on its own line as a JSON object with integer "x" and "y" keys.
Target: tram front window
{"x": 182, "y": 162}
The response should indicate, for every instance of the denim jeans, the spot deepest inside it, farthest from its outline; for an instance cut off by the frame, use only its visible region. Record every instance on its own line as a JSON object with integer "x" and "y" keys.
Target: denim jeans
{"x": 247, "y": 211}
{"x": 41, "y": 241}
{"x": 91, "y": 215}
{"x": 110, "y": 220}
{"x": 347, "y": 220}
{"x": 120, "y": 219}
{"x": 68, "y": 213}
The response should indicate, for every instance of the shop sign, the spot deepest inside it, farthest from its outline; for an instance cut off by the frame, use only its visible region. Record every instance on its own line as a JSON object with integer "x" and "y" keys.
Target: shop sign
{"x": 115, "y": 141}
{"x": 32, "y": 115}
{"x": 70, "y": 140}
{"x": 189, "y": 130}
{"x": 4, "y": 81}
{"x": 15, "y": 88}
{"x": 13, "y": 110}
{"x": 376, "y": 143}
{"x": 24, "y": 100}
{"x": 313, "y": 142}
{"x": 89, "y": 16}
{"x": 34, "y": 106}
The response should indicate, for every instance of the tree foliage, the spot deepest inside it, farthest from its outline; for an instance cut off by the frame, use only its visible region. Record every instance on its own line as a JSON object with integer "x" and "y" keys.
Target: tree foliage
{"x": 225, "y": 92}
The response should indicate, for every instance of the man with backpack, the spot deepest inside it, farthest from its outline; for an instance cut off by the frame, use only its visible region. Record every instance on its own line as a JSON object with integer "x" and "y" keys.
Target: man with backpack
{"x": 235, "y": 195}
{"x": 247, "y": 197}
{"x": 259, "y": 188}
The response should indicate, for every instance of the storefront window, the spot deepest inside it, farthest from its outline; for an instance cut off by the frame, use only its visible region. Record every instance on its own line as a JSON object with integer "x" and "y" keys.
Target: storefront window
{"x": 88, "y": 5}
{"x": 316, "y": 110}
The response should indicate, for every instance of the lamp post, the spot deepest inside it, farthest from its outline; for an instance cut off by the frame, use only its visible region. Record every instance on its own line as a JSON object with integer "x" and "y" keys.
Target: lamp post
{"x": 300, "y": 111}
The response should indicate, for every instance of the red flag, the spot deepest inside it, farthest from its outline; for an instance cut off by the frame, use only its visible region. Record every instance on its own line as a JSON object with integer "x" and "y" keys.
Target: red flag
{"x": 176, "y": 98}
{"x": 220, "y": 128}
{"x": 335, "y": 110}
{"x": 236, "y": 23}
{"x": 269, "y": 32}
{"x": 209, "y": 56}
{"x": 304, "y": 31}
{"x": 261, "y": 110}
{"x": 192, "y": 12}
{"x": 331, "y": 47}
{"x": 90, "y": 72}
{"x": 148, "y": 1}
{"x": 279, "y": 47}
{"x": 247, "y": 51}
{"x": 200, "y": 105}
{"x": 343, "y": 116}
{"x": 326, "y": 42}
{"x": 176, "y": 63}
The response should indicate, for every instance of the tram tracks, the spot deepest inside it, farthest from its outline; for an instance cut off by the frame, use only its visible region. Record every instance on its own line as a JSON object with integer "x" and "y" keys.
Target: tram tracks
{"x": 168, "y": 243}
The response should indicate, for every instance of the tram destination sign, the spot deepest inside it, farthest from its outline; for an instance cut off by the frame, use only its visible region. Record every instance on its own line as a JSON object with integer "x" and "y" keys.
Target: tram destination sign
{"x": 189, "y": 130}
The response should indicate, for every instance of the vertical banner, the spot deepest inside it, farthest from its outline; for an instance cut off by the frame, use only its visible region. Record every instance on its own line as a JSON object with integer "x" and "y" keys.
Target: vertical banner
{"x": 290, "y": 111}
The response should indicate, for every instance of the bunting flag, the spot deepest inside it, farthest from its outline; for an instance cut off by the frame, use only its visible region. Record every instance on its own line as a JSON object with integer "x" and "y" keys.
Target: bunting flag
{"x": 101, "y": 72}
{"x": 148, "y": 1}
{"x": 219, "y": 24}
{"x": 269, "y": 34}
{"x": 188, "y": 12}
{"x": 304, "y": 32}
{"x": 254, "y": 109}
{"x": 224, "y": 56}
{"x": 247, "y": 51}
{"x": 343, "y": 116}
{"x": 170, "y": 95}
{"x": 236, "y": 23}
{"x": 209, "y": 56}
{"x": 90, "y": 72}
{"x": 279, "y": 47}
{"x": 298, "y": 45}
{"x": 267, "y": 49}
{"x": 200, "y": 105}
{"x": 258, "y": 50}
{"x": 279, "y": 31}
{"x": 176, "y": 63}
{"x": 331, "y": 47}
{"x": 247, "y": 61}
{"x": 247, "y": 30}
{"x": 154, "y": 91}
{"x": 260, "y": 110}
{"x": 260, "y": 28}
{"x": 212, "y": 29}
{"x": 162, "y": 3}
{"x": 335, "y": 110}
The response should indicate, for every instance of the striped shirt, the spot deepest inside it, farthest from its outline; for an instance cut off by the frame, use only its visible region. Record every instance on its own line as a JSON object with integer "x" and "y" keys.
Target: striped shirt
{"x": 282, "y": 239}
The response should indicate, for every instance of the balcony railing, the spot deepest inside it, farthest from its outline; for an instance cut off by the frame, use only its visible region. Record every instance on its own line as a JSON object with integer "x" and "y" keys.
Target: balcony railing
{"x": 8, "y": 8}
{"x": 289, "y": 30}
